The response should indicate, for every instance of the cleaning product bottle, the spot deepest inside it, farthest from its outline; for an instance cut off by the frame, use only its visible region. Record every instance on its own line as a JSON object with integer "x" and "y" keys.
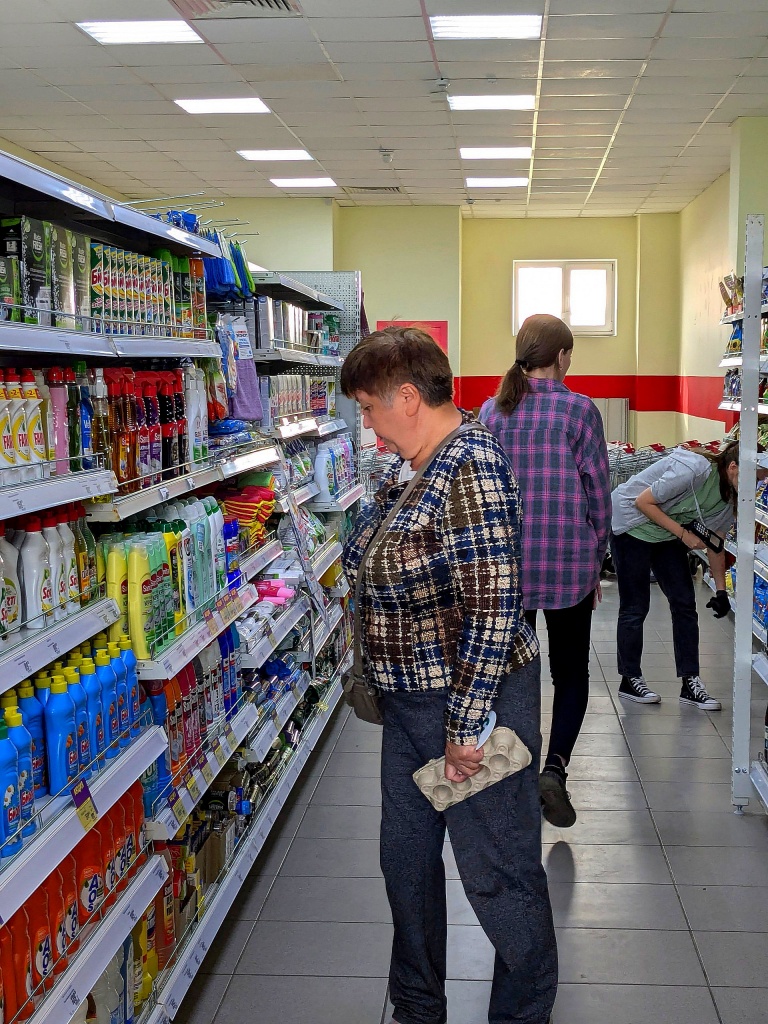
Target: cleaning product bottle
{"x": 106, "y": 999}
{"x": 132, "y": 682}
{"x": 108, "y": 682}
{"x": 202, "y": 709}
{"x": 139, "y": 936}
{"x": 140, "y": 608}
{"x": 116, "y": 981}
{"x": 8, "y": 472}
{"x": 69, "y": 557}
{"x": 35, "y": 573}
{"x": 90, "y": 545}
{"x": 57, "y": 912}
{"x": 117, "y": 818}
{"x": 143, "y": 464}
{"x": 173, "y": 726}
{"x": 165, "y": 926}
{"x": 203, "y": 404}
{"x": 194, "y": 417}
{"x": 109, "y": 858}
{"x": 68, "y": 869}
{"x": 127, "y": 972}
{"x": 90, "y": 878}
{"x": 157, "y": 699}
{"x": 169, "y": 432}
{"x": 131, "y": 427}
{"x": 238, "y": 661}
{"x": 59, "y": 580}
{"x": 33, "y": 409}
{"x": 18, "y": 926}
{"x": 10, "y": 811}
{"x": 218, "y": 552}
{"x": 172, "y": 541}
{"x": 96, "y": 735}
{"x": 102, "y": 447}
{"x": 61, "y": 733}
{"x": 221, "y": 640}
{"x": 117, "y": 585}
{"x": 42, "y": 684}
{"x": 85, "y": 412}
{"x": 151, "y": 964}
{"x": 41, "y": 946}
{"x": 11, "y": 588}
{"x": 152, "y": 410}
{"x": 9, "y": 1003}
{"x": 123, "y": 702}
{"x": 131, "y": 829}
{"x": 59, "y": 397}
{"x": 119, "y": 437}
{"x": 76, "y": 691}
{"x": 73, "y": 419}
{"x": 21, "y": 739}
{"x": 18, "y": 414}
{"x": 181, "y": 419}
{"x": 33, "y": 718}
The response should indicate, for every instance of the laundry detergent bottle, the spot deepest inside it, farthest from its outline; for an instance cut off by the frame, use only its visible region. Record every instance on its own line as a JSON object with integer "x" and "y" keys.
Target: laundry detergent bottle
{"x": 108, "y": 682}
{"x": 76, "y": 691}
{"x": 123, "y": 704}
{"x": 10, "y": 810}
{"x": 61, "y": 732}
{"x": 21, "y": 739}
{"x": 33, "y": 717}
{"x": 132, "y": 682}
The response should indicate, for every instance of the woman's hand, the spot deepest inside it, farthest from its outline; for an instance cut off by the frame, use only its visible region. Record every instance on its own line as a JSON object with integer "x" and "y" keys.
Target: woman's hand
{"x": 598, "y": 596}
{"x": 461, "y": 763}
{"x": 692, "y": 541}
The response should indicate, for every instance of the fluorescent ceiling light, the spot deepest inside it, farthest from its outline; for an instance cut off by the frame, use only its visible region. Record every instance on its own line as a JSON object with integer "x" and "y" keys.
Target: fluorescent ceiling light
{"x": 496, "y": 182}
{"x": 495, "y": 152}
{"x": 274, "y": 154}
{"x": 242, "y": 105}
{"x": 124, "y": 33}
{"x": 487, "y": 26}
{"x": 289, "y": 183}
{"x": 492, "y": 102}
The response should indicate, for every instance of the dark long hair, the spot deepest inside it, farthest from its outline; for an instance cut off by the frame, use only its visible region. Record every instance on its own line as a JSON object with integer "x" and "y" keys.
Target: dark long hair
{"x": 540, "y": 340}
{"x": 723, "y": 460}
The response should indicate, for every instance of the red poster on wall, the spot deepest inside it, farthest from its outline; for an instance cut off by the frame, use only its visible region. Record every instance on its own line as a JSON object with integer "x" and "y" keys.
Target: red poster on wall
{"x": 437, "y": 328}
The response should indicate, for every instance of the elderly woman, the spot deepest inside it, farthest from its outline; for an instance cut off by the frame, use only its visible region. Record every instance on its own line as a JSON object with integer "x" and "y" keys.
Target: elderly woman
{"x": 445, "y": 641}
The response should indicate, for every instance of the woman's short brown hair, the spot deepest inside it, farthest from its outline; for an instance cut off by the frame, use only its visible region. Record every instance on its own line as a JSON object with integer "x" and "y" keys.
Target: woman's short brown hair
{"x": 386, "y": 359}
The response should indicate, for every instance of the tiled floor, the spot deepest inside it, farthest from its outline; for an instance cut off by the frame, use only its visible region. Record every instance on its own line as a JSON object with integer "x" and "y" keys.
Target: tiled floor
{"x": 660, "y": 893}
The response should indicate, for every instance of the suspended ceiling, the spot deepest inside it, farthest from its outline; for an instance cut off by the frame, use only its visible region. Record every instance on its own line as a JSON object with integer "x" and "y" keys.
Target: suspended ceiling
{"x": 633, "y": 100}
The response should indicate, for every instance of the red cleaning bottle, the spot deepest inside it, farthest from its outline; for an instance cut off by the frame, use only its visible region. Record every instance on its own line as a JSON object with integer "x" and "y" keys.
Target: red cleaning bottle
{"x": 18, "y": 926}
{"x": 9, "y": 1004}
{"x": 170, "y": 432}
{"x": 152, "y": 410}
{"x": 40, "y": 939}
{"x": 57, "y": 914}
{"x": 68, "y": 871}
{"x": 108, "y": 859}
{"x": 90, "y": 876}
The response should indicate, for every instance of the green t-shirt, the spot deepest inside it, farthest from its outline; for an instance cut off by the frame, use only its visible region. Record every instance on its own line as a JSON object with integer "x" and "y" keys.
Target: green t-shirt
{"x": 685, "y": 511}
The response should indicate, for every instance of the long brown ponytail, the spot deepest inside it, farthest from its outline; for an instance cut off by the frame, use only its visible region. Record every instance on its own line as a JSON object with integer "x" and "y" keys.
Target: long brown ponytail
{"x": 540, "y": 340}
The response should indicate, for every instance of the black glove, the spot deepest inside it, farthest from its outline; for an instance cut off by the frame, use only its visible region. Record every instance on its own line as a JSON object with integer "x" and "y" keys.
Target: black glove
{"x": 720, "y": 604}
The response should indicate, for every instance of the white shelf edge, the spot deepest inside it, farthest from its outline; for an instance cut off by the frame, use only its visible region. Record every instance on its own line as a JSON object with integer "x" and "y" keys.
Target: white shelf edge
{"x": 43, "y": 646}
{"x": 297, "y": 428}
{"x": 730, "y": 318}
{"x": 275, "y": 636}
{"x": 218, "y": 906}
{"x": 759, "y": 779}
{"x": 731, "y": 359}
{"x": 121, "y": 508}
{"x": 248, "y": 461}
{"x": 301, "y": 496}
{"x": 761, "y": 515}
{"x": 137, "y": 346}
{"x": 734, "y": 406}
{"x": 342, "y": 503}
{"x": 330, "y": 427}
{"x": 17, "y": 499}
{"x": 44, "y": 851}
{"x": 303, "y": 294}
{"x": 189, "y": 645}
{"x": 760, "y": 666}
{"x": 328, "y": 554}
{"x": 253, "y": 564}
{"x": 69, "y": 992}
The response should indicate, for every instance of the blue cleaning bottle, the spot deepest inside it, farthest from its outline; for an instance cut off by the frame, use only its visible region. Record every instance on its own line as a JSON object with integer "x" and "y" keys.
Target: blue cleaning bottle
{"x": 10, "y": 808}
{"x": 33, "y": 716}
{"x": 156, "y": 695}
{"x": 132, "y": 680}
{"x": 82, "y": 728}
{"x": 21, "y": 739}
{"x": 42, "y": 688}
{"x": 108, "y": 681}
{"x": 149, "y": 780}
{"x": 61, "y": 731}
{"x": 90, "y": 683}
{"x": 237, "y": 662}
{"x": 118, "y": 667}
{"x": 226, "y": 671}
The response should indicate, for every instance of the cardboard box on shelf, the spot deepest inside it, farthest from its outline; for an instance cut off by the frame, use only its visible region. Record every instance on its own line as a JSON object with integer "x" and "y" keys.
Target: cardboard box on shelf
{"x": 36, "y": 271}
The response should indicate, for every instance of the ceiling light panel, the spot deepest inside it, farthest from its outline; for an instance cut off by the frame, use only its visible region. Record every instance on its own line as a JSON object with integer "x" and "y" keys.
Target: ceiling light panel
{"x": 125, "y": 33}
{"x": 517, "y": 102}
{"x": 486, "y": 26}
{"x": 497, "y": 182}
{"x": 221, "y": 105}
{"x": 274, "y": 154}
{"x": 495, "y": 152}
{"x": 291, "y": 183}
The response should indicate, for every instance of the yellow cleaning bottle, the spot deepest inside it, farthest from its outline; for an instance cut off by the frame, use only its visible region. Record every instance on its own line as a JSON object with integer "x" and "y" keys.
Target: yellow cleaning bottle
{"x": 117, "y": 587}
{"x": 140, "y": 624}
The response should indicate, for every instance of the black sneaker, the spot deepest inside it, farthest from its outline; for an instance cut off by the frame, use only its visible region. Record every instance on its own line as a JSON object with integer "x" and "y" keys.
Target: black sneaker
{"x": 635, "y": 689}
{"x": 556, "y": 804}
{"x": 692, "y": 692}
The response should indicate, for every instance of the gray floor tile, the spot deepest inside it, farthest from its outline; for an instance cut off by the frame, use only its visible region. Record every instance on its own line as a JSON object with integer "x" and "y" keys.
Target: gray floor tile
{"x": 468, "y": 1001}
{"x": 688, "y": 796}
{"x": 251, "y": 897}
{"x": 635, "y": 957}
{"x": 272, "y": 855}
{"x": 684, "y": 769}
{"x": 600, "y": 745}
{"x": 348, "y": 792}
{"x": 302, "y": 1000}
{"x": 359, "y": 742}
{"x": 658, "y": 725}
{"x": 623, "y": 828}
{"x": 715, "y": 865}
{"x": 689, "y": 745}
{"x": 667, "y": 707}
{"x": 449, "y": 859}
{"x": 328, "y": 821}
{"x": 201, "y": 1002}
{"x": 324, "y": 949}
{"x": 333, "y": 858}
{"x": 593, "y": 768}
{"x": 701, "y": 829}
{"x": 605, "y": 796}
{"x": 593, "y": 725}
{"x": 470, "y": 954}
{"x": 227, "y": 948}
{"x": 741, "y": 1005}
{"x": 459, "y": 908}
{"x": 606, "y": 905}
{"x": 332, "y": 899}
{"x": 616, "y": 864}
{"x": 355, "y": 766}
{"x": 726, "y": 908}
{"x": 734, "y": 958}
{"x": 635, "y": 1004}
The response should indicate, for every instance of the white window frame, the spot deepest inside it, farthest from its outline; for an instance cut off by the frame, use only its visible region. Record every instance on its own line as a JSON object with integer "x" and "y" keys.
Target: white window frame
{"x": 607, "y": 329}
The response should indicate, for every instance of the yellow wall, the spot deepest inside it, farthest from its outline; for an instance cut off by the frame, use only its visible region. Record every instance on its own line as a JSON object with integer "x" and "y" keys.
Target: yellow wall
{"x": 410, "y": 258}
{"x": 748, "y": 180}
{"x": 658, "y": 294}
{"x": 293, "y": 234}
{"x": 490, "y": 246}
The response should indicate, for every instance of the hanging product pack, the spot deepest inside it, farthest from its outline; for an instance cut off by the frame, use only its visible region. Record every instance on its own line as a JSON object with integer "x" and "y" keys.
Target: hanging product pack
{"x": 359, "y": 693}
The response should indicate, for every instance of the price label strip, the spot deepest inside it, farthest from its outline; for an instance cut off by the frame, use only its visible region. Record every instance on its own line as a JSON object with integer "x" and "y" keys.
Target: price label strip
{"x": 210, "y": 622}
{"x": 192, "y": 787}
{"x": 218, "y": 753}
{"x": 207, "y": 771}
{"x": 177, "y": 807}
{"x": 84, "y": 805}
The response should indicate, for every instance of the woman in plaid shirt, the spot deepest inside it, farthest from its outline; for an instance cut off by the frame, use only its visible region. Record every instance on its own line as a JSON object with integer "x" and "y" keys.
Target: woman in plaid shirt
{"x": 554, "y": 439}
{"x": 445, "y": 640}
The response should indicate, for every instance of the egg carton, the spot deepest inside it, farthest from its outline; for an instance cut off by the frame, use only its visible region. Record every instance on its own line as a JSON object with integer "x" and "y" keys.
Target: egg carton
{"x": 504, "y": 754}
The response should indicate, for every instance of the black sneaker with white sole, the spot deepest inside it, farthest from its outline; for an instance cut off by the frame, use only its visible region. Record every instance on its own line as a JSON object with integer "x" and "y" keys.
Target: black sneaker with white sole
{"x": 694, "y": 694}
{"x": 556, "y": 803}
{"x": 635, "y": 689}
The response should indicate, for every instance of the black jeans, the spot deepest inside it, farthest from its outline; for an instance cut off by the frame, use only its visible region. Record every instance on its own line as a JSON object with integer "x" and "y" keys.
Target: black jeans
{"x": 568, "y": 630}
{"x": 496, "y": 838}
{"x": 634, "y": 559}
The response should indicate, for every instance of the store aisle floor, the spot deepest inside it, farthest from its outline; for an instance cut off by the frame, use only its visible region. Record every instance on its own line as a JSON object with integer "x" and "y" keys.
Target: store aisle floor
{"x": 659, "y": 891}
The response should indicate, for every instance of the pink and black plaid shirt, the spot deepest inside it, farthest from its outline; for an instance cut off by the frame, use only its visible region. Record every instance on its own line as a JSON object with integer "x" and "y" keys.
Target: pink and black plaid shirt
{"x": 554, "y": 440}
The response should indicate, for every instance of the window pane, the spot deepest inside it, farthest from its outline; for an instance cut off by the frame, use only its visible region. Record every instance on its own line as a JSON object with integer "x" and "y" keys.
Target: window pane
{"x": 539, "y": 290}
{"x": 588, "y": 297}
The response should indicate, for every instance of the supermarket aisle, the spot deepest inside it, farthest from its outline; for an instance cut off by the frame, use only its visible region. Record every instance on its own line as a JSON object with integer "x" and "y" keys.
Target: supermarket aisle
{"x": 659, "y": 891}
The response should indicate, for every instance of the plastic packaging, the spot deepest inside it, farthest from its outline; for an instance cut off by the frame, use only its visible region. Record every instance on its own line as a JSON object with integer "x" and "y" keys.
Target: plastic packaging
{"x": 8, "y": 472}
{"x": 90, "y": 877}
{"x": 57, "y": 915}
{"x": 123, "y": 704}
{"x": 90, "y": 683}
{"x": 18, "y": 926}
{"x": 69, "y": 557}
{"x": 21, "y": 739}
{"x": 132, "y": 683}
{"x": 33, "y": 407}
{"x": 11, "y": 587}
{"x": 109, "y": 702}
{"x": 18, "y": 416}
{"x": 76, "y": 691}
{"x": 59, "y": 577}
{"x": 85, "y": 413}
{"x": 34, "y": 722}
{"x": 10, "y": 811}
{"x": 140, "y": 609}
{"x": 61, "y": 734}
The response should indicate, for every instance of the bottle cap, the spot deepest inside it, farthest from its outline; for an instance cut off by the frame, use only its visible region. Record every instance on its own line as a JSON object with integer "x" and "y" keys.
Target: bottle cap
{"x": 72, "y": 673}
{"x": 102, "y": 658}
{"x": 42, "y": 681}
{"x": 100, "y": 641}
{"x": 26, "y": 689}
{"x": 76, "y": 658}
{"x": 114, "y": 649}
{"x": 58, "y": 684}
{"x": 55, "y": 375}
{"x": 88, "y": 667}
{"x": 125, "y": 643}
{"x": 33, "y": 524}
{"x": 13, "y": 717}
{"x": 9, "y": 699}
{"x": 49, "y": 520}
{"x": 27, "y": 376}
{"x": 69, "y": 375}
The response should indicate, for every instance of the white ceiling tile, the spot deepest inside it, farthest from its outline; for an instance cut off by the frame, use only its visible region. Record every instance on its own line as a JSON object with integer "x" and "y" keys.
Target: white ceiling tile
{"x": 680, "y": 48}
{"x": 592, "y": 7}
{"x": 470, "y": 71}
{"x": 594, "y": 50}
{"x": 362, "y": 30}
{"x": 569, "y": 87}
{"x": 187, "y": 55}
{"x": 422, "y": 70}
{"x": 612, "y": 102}
{"x": 729, "y": 23}
{"x": 378, "y": 52}
{"x": 485, "y": 6}
{"x": 261, "y": 53}
{"x": 697, "y": 68}
{"x": 282, "y": 32}
{"x": 112, "y": 10}
{"x": 603, "y": 27}
{"x": 586, "y": 70}
{"x": 357, "y": 8}
{"x": 486, "y": 50}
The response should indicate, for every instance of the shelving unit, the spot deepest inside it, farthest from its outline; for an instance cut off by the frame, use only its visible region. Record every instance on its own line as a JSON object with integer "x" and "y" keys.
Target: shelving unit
{"x": 256, "y": 656}
{"x": 301, "y": 495}
{"x": 342, "y": 502}
{"x": 19, "y": 499}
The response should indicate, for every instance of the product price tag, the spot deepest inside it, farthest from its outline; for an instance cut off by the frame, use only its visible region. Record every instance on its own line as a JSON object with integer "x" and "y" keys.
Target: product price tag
{"x": 131, "y": 913}
{"x": 22, "y": 663}
{"x": 225, "y": 747}
{"x": 192, "y": 787}
{"x": 173, "y": 1005}
{"x": 210, "y": 622}
{"x": 84, "y": 805}
{"x": 218, "y": 753}
{"x": 71, "y": 999}
{"x": 237, "y": 603}
{"x": 221, "y": 604}
{"x": 229, "y": 736}
{"x": 177, "y": 807}
{"x": 276, "y": 720}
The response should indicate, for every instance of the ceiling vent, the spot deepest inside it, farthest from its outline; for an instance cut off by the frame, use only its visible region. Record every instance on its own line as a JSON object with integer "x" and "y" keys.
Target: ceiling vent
{"x": 374, "y": 190}
{"x": 193, "y": 10}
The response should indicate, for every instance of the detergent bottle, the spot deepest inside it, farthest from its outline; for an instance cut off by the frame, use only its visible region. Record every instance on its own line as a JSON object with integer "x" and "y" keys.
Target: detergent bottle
{"x": 90, "y": 877}
{"x": 18, "y": 415}
{"x": 140, "y": 606}
{"x": 59, "y": 580}
{"x": 132, "y": 682}
{"x": 21, "y": 739}
{"x": 12, "y": 596}
{"x": 18, "y": 926}
{"x": 42, "y": 683}
{"x": 69, "y": 556}
{"x": 33, "y": 408}
{"x": 68, "y": 869}
{"x": 76, "y": 691}
{"x": 60, "y": 426}
{"x": 35, "y": 576}
{"x": 95, "y": 711}
{"x": 116, "y": 815}
{"x": 41, "y": 944}
{"x": 8, "y": 472}
{"x": 117, "y": 584}
{"x": 109, "y": 703}
{"x": 61, "y": 733}
{"x": 57, "y": 913}
{"x": 156, "y": 695}
{"x": 34, "y": 722}
{"x": 9, "y": 1004}
{"x": 10, "y": 811}
{"x": 109, "y": 858}
{"x": 123, "y": 702}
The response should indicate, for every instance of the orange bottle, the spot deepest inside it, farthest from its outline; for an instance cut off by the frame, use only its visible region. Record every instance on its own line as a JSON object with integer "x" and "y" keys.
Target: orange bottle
{"x": 40, "y": 940}
{"x": 165, "y": 927}
{"x": 108, "y": 859}
{"x": 117, "y": 817}
{"x": 9, "y": 1005}
{"x": 57, "y": 913}
{"x": 137, "y": 792}
{"x": 131, "y": 830}
{"x": 173, "y": 726}
{"x": 90, "y": 876}
{"x": 68, "y": 870}
{"x": 179, "y": 700}
{"x": 18, "y": 926}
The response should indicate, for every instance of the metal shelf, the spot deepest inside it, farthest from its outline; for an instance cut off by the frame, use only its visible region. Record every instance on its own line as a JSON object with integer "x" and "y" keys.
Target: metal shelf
{"x": 324, "y": 632}
{"x": 194, "y": 640}
{"x": 248, "y": 462}
{"x": 263, "y": 648}
{"x": 735, "y": 406}
{"x": 138, "y": 347}
{"x": 56, "y": 341}
{"x": 285, "y": 354}
{"x": 301, "y": 495}
{"x": 760, "y": 666}
{"x": 731, "y": 318}
{"x": 212, "y": 757}
{"x": 17, "y": 499}
{"x": 90, "y": 962}
{"x": 253, "y": 564}
{"x": 342, "y": 502}
{"x": 331, "y": 427}
{"x": 759, "y": 777}
{"x": 261, "y": 743}
{"x": 735, "y": 359}
{"x": 294, "y": 428}
{"x": 37, "y": 648}
{"x": 219, "y": 903}
{"x": 325, "y": 557}
{"x": 280, "y": 286}
{"x": 60, "y": 829}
